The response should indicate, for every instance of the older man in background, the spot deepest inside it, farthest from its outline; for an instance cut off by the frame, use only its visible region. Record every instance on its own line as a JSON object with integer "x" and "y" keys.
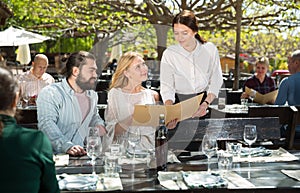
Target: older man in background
{"x": 35, "y": 79}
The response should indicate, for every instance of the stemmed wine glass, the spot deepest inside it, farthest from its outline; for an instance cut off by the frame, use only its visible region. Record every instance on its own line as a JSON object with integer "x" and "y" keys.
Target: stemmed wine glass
{"x": 250, "y": 136}
{"x": 94, "y": 146}
{"x": 209, "y": 148}
{"x": 133, "y": 137}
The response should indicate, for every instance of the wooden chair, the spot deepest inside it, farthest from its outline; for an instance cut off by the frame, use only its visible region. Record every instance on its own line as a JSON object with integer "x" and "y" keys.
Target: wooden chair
{"x": 287, "y": 116}
{"x": 189, "y": 133}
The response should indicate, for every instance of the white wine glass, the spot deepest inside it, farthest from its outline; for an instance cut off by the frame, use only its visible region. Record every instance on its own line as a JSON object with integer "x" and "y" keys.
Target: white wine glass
{"x": 133, "y": 137}
{"x": 94, "y": 146}
{"x": 250, "y": 136}
{"x": 209, "y": 148}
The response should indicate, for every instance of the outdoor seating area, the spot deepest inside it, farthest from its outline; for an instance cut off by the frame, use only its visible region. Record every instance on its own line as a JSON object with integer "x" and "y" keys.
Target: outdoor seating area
{"x": 156, "y": 96}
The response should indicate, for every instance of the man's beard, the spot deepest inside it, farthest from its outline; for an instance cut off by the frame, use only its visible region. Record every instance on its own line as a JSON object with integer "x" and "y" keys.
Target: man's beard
{"x": 85, "y": 85}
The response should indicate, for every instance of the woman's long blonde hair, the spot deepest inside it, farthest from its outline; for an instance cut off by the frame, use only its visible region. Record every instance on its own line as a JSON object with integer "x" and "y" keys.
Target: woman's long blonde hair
{"x": 119, "y": 80}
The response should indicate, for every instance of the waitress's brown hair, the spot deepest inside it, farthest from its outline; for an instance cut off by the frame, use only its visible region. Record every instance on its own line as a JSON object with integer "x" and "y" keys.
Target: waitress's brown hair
{"x": 188, "y": 18}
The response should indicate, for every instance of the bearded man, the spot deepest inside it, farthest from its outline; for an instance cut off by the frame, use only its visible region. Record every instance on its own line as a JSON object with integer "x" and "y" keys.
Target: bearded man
{"x": 68, "y": 108}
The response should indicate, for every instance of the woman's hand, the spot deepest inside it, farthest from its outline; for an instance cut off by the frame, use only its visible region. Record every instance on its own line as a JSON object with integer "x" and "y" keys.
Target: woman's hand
{"x": 172, "y": 124}
{"x": 244, "y": 95}
{"x": 202, "y": 110}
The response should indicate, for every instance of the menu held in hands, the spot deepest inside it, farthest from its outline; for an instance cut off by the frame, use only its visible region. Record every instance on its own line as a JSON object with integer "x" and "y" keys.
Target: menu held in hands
{"x": 148, "y": 115}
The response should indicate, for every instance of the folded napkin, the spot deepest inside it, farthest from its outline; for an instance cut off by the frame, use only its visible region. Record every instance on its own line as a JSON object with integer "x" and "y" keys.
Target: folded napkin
{"x": 61, "y": 159}
{"x": 77, "y": 182}
{"x": 172, "y": 180}
{"x": 110, "y": 183}
{"x": 237, "y": 181}
{"x": 271, "y": 156}
{"x": 203, "y": 179}
{"x": 292, "y": 173}
{"x": 255, "y": 152}
{"x": 89, "y": 182}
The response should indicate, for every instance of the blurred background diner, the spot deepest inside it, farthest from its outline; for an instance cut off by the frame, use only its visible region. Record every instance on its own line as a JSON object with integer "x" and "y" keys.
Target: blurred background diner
{"x": 260, "y": 81}
{"x": 32, "y": 81}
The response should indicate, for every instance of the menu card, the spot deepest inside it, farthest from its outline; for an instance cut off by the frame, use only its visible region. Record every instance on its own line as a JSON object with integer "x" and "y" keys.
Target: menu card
{"x": 267, "y": 98}
{"x": 148, "y": 115}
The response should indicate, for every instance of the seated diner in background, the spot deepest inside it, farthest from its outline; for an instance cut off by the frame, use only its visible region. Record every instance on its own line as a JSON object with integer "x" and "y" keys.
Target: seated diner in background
{"x": 260, "y": 81}
{"x": 125, "y": 91}
{"x": 66, "y": 109}
{"x": 32, "y": 81}
{"x": 289, "y": 88}
{"x": 26, "y": 162}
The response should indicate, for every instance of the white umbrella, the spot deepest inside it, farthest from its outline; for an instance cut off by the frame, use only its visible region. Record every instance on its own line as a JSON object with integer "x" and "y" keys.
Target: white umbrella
{"x": 23, "y": 55}
{"x": 15, "y": 37}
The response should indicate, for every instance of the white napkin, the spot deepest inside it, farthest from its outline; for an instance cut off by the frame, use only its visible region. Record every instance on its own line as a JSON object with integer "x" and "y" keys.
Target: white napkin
{"x": 203, "y": 179}
{"x": 237, "y": 181}
{"x": 292, "y": 173}
{"x": 89, "y": 182}
{"x": 275, "y": 156}
{"x": 76, "y": 182}
{"x": 61, "y": 159}
{"x": 166, "y": 180}
{"x": 109, "y": 183}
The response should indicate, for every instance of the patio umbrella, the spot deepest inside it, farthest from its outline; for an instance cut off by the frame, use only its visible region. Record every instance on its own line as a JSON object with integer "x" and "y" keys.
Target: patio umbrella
{"x": 23, "y": 55}
{"x": 16, "y": 37}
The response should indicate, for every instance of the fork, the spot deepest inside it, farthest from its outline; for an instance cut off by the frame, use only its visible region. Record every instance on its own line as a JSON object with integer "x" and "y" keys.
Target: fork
{"x": 102, "y": 182}
{"x": 174, "y": 178}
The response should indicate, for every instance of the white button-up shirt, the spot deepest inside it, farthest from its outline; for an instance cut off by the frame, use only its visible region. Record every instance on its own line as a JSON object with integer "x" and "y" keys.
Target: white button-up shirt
{"x": 193, "y": 72}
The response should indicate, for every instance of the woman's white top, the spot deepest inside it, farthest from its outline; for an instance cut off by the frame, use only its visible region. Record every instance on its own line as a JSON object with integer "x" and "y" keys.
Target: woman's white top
{"x": 120, "y": 106}
{"x": 186, "y": 72}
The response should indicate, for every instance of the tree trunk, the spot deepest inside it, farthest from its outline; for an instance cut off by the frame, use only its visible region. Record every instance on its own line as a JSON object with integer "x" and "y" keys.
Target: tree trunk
{"x": 99, "y": 50}
{"x": 237, "y": 45}
{"x": 161, "y": 34}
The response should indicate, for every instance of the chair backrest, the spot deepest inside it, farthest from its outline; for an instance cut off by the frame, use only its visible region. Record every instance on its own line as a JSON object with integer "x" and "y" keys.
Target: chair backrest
{"x": 191, "y": 131}
{"x": 286, "y": 114}
{"x": 102, "y": 97}
{"x": 294, "y": 141}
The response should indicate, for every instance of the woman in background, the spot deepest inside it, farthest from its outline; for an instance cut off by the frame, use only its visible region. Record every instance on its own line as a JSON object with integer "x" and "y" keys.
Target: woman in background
{"x": 260, "y": 81}
{"x": 26, "y": 162}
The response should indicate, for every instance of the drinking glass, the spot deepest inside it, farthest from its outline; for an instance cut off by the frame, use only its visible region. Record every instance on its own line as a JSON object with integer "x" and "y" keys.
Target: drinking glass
{"x": 133, "y": 137}
{"x": 25, "y": 93}
{"x": 251, "y": 99}
{"x": 94, "y": 146}
{"x": 148, "y": 84}
{"x": 209, "y": 148}
{"x": 250, "y": 136}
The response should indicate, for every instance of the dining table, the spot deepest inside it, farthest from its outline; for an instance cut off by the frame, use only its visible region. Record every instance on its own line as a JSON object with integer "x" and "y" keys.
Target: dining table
{"x": 278, "y": 171}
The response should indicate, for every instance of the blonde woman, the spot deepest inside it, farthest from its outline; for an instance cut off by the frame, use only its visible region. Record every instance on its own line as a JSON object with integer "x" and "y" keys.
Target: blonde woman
{"x": 125, "y": 91}
{"x": 260, "y": 81}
